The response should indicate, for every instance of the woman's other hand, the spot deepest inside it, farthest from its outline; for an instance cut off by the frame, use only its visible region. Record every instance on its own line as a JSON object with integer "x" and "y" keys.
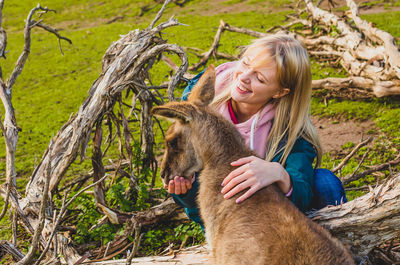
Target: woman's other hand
{"x": 254, "y": 173}
{"x": 178, "y": 185}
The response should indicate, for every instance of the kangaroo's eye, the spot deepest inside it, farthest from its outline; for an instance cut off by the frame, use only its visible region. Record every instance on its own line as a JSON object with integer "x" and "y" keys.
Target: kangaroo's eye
{"x": 173, "y": 143}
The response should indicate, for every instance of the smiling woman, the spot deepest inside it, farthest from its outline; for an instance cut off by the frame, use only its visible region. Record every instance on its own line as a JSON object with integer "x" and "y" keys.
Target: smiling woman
{"x": 266, "y": 95}
{"x": 255, "y": 84}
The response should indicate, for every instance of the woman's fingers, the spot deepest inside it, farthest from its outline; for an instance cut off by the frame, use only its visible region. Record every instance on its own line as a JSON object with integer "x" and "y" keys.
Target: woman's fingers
{"x": 234, "y": 182}
{"x": 238, "y": 188}
{"x": 188, "y": 184}
{"x": 171, "y": 186}
{"x": 242, "y": 165}
{"x": 182, "y": 181}
{"x": 177, "y": 185}
{"x": 243, "y": 160}
{"x": 237, "y": 172}
{"x": 246, "y": 195}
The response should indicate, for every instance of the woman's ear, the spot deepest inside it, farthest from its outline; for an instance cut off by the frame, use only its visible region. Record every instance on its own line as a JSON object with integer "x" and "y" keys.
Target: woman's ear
{"x": 283, "y": 92}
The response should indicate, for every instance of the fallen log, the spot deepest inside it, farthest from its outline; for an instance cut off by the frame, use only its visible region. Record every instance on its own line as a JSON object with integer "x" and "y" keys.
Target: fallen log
{"x": 367, "y": 221}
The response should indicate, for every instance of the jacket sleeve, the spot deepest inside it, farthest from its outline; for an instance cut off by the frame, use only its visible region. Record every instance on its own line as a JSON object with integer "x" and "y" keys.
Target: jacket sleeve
{"x": 188, "y": 202}
{"x": 301, "y": 171}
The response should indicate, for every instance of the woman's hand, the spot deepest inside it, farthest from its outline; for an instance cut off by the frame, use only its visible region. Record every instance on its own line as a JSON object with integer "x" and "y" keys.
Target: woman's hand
{"x": 179, "y": 185}
{"x": 254, "y": 173}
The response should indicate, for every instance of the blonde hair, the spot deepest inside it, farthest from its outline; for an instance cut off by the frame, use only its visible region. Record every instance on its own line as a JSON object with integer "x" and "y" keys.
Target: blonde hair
{"x": 292, "y": 111}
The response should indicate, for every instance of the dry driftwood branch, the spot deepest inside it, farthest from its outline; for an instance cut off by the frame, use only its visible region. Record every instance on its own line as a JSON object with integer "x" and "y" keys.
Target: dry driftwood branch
{"x": 124, "y": 61}
{"x": 27, "y": 45}
{"x": 97, "y": 163}
{"x": 82, "y": 179}
{"x": 13, "y": 196}
{"x": 290, "y": 24}
{"x": 212, "y": 49}
{"x": 138, "y": 238}
{"x": 243, "y": 31}
{"x": 216, "y": 54}
{"x": 38, "y": 230}
{"x": 54, "y": 31}
{"x": 120, "y": 243}
{"x": 214, "y": 46}
{"x": 191, "y": 255}
{"x": 174, "y": 67}
{"x": 128, "y": 138}
{"x": 162, "y": 211}
{"x": 369, "y": 86}
{"x": 347, "y": 179}
{"x": 351, "y": 154}
{"x": 65, "y": 247}
{"x": 146, "y": 128}
{"x": 8, "y": 247}
{"x": 159, "y": 13}
{"x": 357, "y": 54}
{"x": 360, "y": 163}
{"x": 14, "y": 227}
{"x": 125, "y": 66}
{"x": 378, "y": 36}
{"x": 373, "y": 70}
{"x": 365, "y": 86}
{"x": 10, "y": 129}
{"x": 3, "y": 35}
{"x": 10, "y": 178}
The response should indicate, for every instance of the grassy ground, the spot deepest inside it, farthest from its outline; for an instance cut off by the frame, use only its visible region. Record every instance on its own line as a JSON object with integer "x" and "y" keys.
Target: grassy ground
{"x": 52, "y": 87}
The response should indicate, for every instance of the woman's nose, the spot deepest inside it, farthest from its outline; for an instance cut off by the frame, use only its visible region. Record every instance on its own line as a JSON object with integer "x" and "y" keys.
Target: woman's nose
{"x": 245, "y": 76}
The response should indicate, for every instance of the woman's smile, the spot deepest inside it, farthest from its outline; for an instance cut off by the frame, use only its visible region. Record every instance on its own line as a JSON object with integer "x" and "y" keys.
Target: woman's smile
{"x": 242, "y": 90}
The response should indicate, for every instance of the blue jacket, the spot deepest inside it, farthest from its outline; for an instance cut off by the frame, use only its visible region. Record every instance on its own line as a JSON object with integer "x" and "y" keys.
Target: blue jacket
{"x": 298, "y": 165}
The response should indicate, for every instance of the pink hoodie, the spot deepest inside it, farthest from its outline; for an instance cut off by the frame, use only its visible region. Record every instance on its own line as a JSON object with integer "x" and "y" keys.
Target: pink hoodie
{"x": 255, "y": 130}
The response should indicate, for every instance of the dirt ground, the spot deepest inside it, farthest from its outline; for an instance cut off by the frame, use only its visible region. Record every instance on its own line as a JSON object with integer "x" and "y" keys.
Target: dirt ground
{"x": 334, "y": 134}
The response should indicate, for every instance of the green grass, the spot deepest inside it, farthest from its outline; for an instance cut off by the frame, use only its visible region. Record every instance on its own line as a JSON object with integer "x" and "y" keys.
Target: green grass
{"x": 388, "y": 21}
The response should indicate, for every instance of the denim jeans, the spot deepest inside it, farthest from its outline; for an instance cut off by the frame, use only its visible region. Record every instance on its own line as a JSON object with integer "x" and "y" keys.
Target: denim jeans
{"x": 328, "y": 189}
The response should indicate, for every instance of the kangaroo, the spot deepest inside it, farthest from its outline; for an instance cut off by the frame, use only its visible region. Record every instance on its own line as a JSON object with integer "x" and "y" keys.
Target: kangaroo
{"x": 264, "y": 229}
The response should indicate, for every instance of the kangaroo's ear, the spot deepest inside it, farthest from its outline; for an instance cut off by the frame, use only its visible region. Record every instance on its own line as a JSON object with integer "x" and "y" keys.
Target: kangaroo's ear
{"x": 170, "y": 112}
{"x": 203, "y": 92}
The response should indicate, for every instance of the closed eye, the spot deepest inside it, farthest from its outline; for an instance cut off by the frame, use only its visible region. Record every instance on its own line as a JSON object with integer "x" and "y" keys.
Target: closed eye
{"x": 259, "y": 78}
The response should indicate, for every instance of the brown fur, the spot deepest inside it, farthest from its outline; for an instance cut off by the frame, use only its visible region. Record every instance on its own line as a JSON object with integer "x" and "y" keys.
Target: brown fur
{"x": 264, "y": 229}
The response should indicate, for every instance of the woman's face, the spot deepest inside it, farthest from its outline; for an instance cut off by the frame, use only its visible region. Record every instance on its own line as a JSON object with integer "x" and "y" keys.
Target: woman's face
{"x": 254, "y": 81}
